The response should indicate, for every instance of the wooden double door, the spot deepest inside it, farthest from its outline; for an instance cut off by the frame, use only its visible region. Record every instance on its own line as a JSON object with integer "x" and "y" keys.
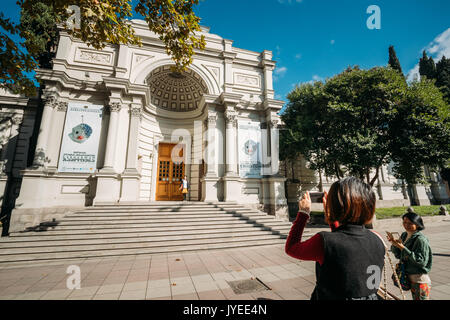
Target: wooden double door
{"x": 171, "y": 170}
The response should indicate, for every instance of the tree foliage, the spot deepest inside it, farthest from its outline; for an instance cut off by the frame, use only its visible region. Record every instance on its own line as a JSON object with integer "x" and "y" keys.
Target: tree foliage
{"x": 359, "y": 120}
{"x": 102, "y": 22}
{"x": 394, "y": 63}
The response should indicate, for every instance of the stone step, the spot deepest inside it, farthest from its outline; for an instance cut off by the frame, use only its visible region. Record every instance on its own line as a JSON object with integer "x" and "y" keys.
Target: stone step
{"x": 158, "y": 205}
{"x": 130, "y": 221}
{"x": 165, "y": 210}
{"x": 141, "y": 231}
{"x": 132, "y": 215}
{"x": 90, "y": 234}
{"x": 24, "y": 260}
{"x": 134, "y": 245}
{"x": 141, "y": 239}
{"x": 159, "y": 226}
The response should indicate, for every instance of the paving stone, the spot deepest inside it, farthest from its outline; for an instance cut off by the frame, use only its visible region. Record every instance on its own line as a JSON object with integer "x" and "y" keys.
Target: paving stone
{"x": 131, "y": 286}
{"x": 133, "y": 295}
{"x": 158, "y": 292}
{"x": 107, "y": 296}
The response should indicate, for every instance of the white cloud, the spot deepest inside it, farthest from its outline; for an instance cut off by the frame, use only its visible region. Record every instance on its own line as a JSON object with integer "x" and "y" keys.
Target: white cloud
{"x": 439, "y": 47}
{"x": 298, "y": 56}
{"x": 279, "y": 73}
{"x": 332, "y": 42}
{"x": 315, "y": 78}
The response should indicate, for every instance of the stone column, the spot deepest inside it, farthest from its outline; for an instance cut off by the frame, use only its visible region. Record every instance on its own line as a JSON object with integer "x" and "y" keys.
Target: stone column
{"x": 40, "y": 156}
{"x": 232, "y": 188}
{"x": 210, "y": 180}
{"x": 277, "y": 203}
{"x": 111, "y": 141}
{"x": 108, "y": 183}
{"x": 131, "y": 176}
{"x": 55, "y": 140}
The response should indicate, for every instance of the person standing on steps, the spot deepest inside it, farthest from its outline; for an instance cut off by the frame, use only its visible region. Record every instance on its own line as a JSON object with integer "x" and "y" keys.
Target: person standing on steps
{"x": 350, "y": 258}
{"x": 184, "y": 187}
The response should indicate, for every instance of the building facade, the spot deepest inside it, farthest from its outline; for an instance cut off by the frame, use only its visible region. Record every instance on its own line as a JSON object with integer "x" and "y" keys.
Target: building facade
{"x": 119, "y": 126}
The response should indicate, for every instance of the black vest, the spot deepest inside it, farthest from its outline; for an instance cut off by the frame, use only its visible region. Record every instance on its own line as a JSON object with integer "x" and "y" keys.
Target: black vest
{"x": 351, "y": 254}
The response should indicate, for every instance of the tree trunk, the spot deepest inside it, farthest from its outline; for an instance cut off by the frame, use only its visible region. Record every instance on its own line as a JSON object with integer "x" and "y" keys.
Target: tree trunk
{"x": 375, "y": 178}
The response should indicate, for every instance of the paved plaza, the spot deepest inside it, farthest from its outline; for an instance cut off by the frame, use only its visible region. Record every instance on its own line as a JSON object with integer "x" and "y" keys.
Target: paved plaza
{"x": 202, "y": 275}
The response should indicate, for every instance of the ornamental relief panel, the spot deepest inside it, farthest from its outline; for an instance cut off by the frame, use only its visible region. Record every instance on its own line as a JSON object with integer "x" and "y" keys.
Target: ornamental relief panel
{"x": 247, "y": 80}
{"x": 94, "y": 57}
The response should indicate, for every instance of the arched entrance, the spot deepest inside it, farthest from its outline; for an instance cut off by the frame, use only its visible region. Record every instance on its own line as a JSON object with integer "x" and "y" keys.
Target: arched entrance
{"x": 176, "y": 98}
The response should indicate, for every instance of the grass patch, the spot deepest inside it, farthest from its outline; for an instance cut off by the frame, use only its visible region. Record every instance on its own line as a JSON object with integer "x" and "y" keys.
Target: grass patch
{"x": 386, "y": 213}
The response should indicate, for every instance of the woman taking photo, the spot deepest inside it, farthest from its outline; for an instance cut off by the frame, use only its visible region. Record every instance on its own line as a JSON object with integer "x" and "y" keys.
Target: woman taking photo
{"x": 348, "y": 257}
{"x": 413, "y": 249}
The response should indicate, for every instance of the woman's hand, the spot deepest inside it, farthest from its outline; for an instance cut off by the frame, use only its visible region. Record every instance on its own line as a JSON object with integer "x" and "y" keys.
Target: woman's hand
{"x": 305, "y": 203}
{"x": 396, "y": 243}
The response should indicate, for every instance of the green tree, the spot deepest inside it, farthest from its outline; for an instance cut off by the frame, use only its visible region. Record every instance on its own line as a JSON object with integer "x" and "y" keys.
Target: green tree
{"x": 393, "y": 60}
{"x": 427, "y": 67}
{"x": 102, "y": 22}
{"x": 443, "y": 77}
{"x": 420, "y": 132}
{"x": 360, "y": 120}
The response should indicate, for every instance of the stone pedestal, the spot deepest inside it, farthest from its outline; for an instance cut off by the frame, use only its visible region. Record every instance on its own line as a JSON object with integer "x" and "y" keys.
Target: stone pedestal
{"x": 130, "y": 185}
{"x": 108, "y": 188}
{"x": 209, "y": 189}
{"x": 232, "y": 188}
{"x": 277, "y": 204}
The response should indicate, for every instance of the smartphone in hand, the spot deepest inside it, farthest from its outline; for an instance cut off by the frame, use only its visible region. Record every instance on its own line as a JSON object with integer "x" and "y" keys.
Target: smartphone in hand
{"x": 394, "y": 235}
{"x": 316, "y": 197}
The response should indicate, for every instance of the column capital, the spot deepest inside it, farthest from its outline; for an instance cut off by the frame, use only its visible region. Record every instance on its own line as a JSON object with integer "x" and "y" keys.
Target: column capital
{"x": 136, "y": 112}
{"x": 51, "y": 101}
{"x": 114, "y": 106}
{"x": 231, "y": 117}
{"x": 17, "y": 119}
{"x": 62, "y": 106}
{"x": 212, "y": 119}
{"x": 274, "y": 124}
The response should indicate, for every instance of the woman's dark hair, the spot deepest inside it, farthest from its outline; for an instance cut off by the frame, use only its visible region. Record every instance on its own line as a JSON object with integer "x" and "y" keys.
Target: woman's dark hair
{"x": 350, "y": 200}
{"x": 414, "y": 218}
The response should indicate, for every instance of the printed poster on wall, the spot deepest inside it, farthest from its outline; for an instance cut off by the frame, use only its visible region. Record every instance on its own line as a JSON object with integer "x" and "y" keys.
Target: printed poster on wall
{"x": 81, "y": 138}
{"x": 250, "y": 152}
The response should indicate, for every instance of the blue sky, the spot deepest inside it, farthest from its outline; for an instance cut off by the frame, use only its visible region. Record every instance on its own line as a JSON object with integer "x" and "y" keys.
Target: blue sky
{"x": 316, "y": 39}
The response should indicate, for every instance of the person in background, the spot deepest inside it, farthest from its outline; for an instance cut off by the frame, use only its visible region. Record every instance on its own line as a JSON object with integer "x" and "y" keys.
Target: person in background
{"x": 414, "y": 250}
{"x": 184, "y": 187}
{"x": 347, "y": 256}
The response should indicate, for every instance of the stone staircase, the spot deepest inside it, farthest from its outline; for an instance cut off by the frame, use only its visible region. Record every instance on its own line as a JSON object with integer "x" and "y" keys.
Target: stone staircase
{"x": 144, "y": 228}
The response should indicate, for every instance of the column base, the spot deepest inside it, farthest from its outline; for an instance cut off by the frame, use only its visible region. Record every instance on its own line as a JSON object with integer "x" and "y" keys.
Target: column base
{"x": 209, "y": 189}
{"x": 108, "y": 188}
{"x": 232, "y": 188}
{"x": 130, "y": 185}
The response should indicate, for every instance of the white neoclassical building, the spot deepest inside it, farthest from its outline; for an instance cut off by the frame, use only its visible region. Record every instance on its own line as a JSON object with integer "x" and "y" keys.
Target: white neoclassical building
{"x": 118, "y": 125}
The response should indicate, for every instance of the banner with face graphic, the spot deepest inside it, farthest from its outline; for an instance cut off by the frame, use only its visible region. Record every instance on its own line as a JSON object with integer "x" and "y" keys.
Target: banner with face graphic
{"x": 250, "y": 151}
{"x": 81, "y": 138}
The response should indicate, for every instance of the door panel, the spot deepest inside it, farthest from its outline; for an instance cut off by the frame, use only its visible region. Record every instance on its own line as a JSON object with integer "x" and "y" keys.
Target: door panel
{"x": 171, "y": 169}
